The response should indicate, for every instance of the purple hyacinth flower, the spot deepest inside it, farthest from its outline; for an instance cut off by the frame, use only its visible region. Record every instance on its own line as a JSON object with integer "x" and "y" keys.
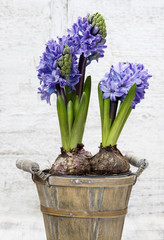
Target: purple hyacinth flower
{"x": 51, "y": 71}
{"x": 116, "y": 84}
{"x": 86, "y": 39}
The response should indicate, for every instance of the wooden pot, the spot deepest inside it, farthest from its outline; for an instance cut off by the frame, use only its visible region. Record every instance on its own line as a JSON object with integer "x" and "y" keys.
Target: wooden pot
{"x": 84, "y": 208}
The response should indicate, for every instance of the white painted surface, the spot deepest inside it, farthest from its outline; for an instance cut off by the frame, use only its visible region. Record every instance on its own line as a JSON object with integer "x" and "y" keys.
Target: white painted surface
{"x": 29, "y": 127}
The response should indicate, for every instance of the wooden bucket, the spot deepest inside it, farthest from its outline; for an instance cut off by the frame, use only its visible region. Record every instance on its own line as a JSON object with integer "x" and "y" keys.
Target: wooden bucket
{"x": 84, "y": 208}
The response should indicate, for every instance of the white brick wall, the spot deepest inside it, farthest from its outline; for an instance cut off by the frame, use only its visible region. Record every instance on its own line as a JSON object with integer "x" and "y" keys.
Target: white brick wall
{"x": 29, "y": 127}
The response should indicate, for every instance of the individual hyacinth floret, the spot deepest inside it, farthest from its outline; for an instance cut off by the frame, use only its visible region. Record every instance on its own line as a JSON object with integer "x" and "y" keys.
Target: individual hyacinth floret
{"x": 116, "y": 84}
{"x": 58, "y": 67}
{"x": 88, "y": 35}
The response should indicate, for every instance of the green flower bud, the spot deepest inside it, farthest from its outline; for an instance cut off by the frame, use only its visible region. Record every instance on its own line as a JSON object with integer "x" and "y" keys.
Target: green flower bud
{"x": 65, "y": 61}
{"x": 90, "y": 18}
{"x": 66, "y": 49}
{"x": 98, "y": 21}
{"x": 60, "y": 63}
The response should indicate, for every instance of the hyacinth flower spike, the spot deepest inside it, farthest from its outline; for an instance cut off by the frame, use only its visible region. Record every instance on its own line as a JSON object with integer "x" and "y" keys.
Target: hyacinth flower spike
{"x": 60, "y": 73}
{"x": 125, "y": 85}
{"x": 89, "y": 34}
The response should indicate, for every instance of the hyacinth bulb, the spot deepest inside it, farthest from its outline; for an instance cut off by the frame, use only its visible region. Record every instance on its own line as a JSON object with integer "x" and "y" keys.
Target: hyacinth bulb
{"x": 75, "y": 162}
{"x": 109, "y": 160}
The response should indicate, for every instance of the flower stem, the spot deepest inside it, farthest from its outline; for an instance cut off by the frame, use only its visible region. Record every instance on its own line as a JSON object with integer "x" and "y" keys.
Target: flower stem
{"x": 106, "y": 121}
{"x": 63, "y": 96}
{"x": 113, "y": 110}
{"x": 61, "y": 91}
{"x": 82, "y": 67}
{"x": 70, "y": 116}
{"x": 101, "y": 106}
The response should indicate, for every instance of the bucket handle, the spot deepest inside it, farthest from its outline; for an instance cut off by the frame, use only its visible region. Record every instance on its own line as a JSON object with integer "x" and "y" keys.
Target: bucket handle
{"x": 141, "y": 164}
{"x": 32, "y": 167}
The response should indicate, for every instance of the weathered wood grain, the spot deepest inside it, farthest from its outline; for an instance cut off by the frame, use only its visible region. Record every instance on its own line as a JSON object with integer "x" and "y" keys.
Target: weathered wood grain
{"x": 77, "y": 208}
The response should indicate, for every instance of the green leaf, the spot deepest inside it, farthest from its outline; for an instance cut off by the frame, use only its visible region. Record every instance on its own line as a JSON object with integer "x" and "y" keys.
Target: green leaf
{"x": 76, "y": 105}
{"x": 70, "y": 95}
{"x": 123, "y": 123}
{"x": 121, "y": 117}
{"x": 101, "y": 106}
{"x": 87, "y": 90}
{"x": 62, "y": 115}
{"x": 106, "y": 121}
{"x": 80, "y": 114}
{"x": 70, "y": 116}
{"x": 79, "y": 123}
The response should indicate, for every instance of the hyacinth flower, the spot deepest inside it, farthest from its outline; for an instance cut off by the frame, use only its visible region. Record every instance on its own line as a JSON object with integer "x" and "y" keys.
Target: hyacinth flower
{"x": 123, "y": 86}
{"x": 88, "y": 35}
{"x": 62, "y": 71}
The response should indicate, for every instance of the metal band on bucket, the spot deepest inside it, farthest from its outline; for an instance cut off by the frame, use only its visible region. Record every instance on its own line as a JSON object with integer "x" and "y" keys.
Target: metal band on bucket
{"x": 84, "y": 214}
